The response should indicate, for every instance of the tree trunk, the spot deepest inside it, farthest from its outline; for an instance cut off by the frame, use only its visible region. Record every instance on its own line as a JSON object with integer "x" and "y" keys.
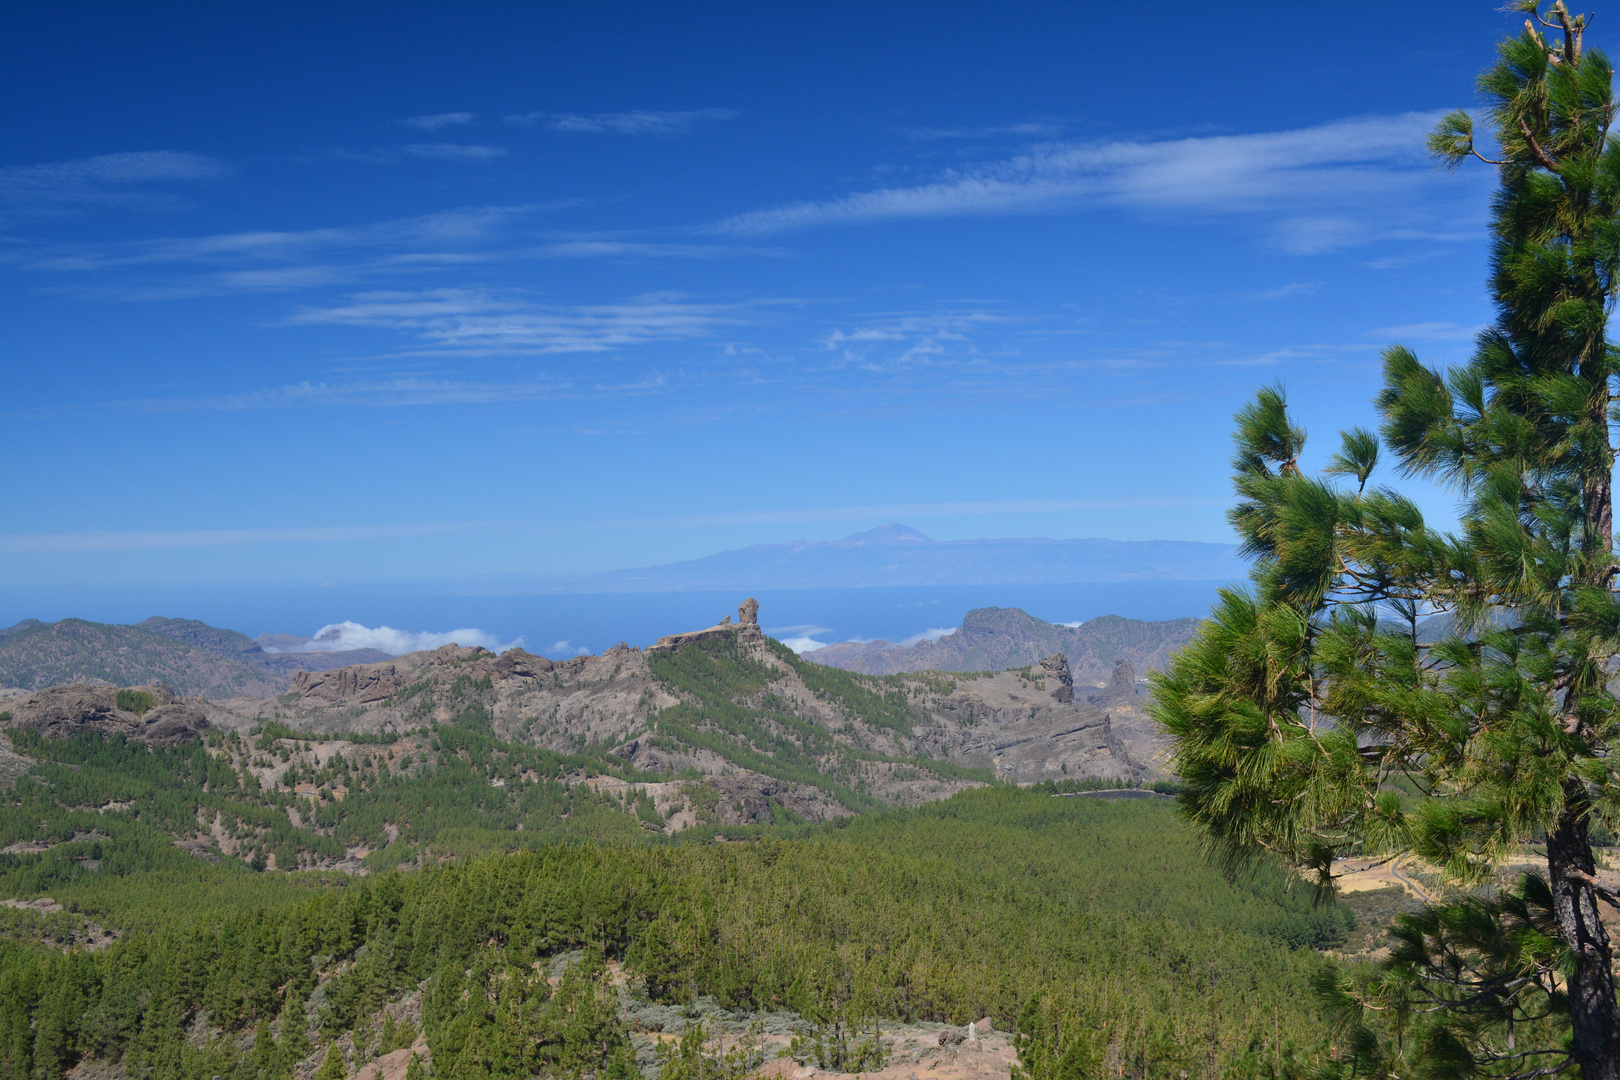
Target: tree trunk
{"x": 1594, "y": 1015}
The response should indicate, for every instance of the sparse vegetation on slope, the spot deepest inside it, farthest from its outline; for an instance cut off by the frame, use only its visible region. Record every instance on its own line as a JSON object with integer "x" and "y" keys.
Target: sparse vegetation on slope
{"x": 729, "y": 712}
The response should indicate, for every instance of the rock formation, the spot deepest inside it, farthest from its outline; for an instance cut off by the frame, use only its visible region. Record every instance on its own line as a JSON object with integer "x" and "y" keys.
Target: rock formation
{"x": 1056, "y": 668}
{"x": 1121, "y": 688}
{"x": 367, "y": 682}
{"x": 64, "y": 711}
{"x": 747, "y": 628}
{"x": 515, "y": 663}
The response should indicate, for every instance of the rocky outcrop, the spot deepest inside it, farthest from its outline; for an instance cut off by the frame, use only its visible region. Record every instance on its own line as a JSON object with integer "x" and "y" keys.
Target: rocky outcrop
{"x": 515, "y": 663}
{"x": 1018, "y": 725}
{"x": 1121, "y": 688}
{"x": 747, "y": 629}
{"x": 363, "y": 682}
{"x": 1055, "y": 669}
{"x": 711, "y": 633}
{"x": 64, "y": 711}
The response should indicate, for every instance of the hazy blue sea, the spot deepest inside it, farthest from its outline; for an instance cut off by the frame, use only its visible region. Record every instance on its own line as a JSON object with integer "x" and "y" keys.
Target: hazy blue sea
{"x": 599, "y": 621}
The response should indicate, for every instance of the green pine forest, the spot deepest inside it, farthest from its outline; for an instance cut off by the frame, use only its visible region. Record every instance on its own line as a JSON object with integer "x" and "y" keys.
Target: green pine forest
{"x": 1096, "y": 926}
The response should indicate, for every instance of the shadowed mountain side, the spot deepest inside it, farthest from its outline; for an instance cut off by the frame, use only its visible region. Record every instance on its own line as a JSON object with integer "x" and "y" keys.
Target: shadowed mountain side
{"x": 192, "y": 657}
{"x": 995, "y": 639}
{"x": 898, "y": 555}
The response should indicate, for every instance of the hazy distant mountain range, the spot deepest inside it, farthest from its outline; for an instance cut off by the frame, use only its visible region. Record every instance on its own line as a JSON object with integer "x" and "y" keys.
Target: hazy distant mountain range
{"x": 188, "y": 655}
{"x": 896, "y": 554}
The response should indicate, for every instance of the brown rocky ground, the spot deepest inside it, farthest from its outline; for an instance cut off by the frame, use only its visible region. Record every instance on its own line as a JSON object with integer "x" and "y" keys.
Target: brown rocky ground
{"x": 917, "y": 1053}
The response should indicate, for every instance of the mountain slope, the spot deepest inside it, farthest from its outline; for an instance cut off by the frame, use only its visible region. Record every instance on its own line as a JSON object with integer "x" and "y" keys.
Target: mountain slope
{"x": 74, "y": 651}
{"x": 186, "y": 654}
{"x": 898, "y": 555}
{"x": 994, "y": 639}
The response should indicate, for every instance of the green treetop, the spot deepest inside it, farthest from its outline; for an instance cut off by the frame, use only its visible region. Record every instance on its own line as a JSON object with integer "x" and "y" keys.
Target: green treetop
{"x": 1314, "y": 717}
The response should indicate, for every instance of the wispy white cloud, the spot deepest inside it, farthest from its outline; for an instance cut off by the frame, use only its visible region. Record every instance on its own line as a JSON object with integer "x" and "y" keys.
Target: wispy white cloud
{"x": 343, "y": 636}
{"x": 436, "y": 121}
{"x": 1427, "y": 331}
{"x": 1028, "y": 129}
{"x": 798, "y": 628}
{"x": 932, "y": 634}
{"x": 283, "y": 260}
{"x": 908, "y": 340}
{"x": 563, "y": 648}
{"x": 803, "y": 644}
{"x": 109, "y": 540}
{"x": 442, "y": 235}
{"x": 466, "y": 321}
{"x": 455, "y": 152}
{"x": 630, "y": 249}
{"x": 1293, "y": 288}
{"x": 637, "y": 122}
{"x": 803, "y": 639}
{"x": 364, "y": 394}
{"x": 1317, "y": 188}
{"x": 109, "y": 180}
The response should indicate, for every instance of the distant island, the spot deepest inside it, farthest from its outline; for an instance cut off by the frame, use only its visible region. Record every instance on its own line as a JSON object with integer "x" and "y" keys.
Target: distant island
{"x": 895, "y": 554}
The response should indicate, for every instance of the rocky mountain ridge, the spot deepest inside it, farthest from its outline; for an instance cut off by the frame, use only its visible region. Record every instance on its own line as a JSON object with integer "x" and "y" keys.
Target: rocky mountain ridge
{"x": 622, "y": 702}
{"x": 723, "y": 717}
{"x": 993, "y": 639}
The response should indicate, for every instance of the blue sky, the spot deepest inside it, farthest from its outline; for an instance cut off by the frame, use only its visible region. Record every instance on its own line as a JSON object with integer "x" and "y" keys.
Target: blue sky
{"x": 372, "y": 292}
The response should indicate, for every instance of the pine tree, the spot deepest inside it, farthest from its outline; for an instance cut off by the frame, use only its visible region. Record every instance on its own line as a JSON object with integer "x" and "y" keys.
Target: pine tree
{"x": 334, "y": 1067}
{"x": 1314, "y": 717}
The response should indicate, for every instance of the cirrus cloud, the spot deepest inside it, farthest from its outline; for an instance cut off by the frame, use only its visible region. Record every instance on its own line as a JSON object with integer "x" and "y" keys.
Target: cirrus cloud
{"x": 439, "y": 120}
{"x": 636, "y": 122}
{"x": 107, "y": 180}
{"x": 1319, "y": 188}
{"x": 471, "y": 321}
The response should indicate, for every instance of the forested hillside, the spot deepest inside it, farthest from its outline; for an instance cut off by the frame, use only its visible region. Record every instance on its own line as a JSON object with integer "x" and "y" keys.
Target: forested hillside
{"x": 1097, "y": 924}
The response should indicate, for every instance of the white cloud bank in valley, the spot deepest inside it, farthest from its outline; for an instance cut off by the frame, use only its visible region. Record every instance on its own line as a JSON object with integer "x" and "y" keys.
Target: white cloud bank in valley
{"x": 801, "y": 639}
{"x": 343, "y": 636}
{"x": 932, "y": 634}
